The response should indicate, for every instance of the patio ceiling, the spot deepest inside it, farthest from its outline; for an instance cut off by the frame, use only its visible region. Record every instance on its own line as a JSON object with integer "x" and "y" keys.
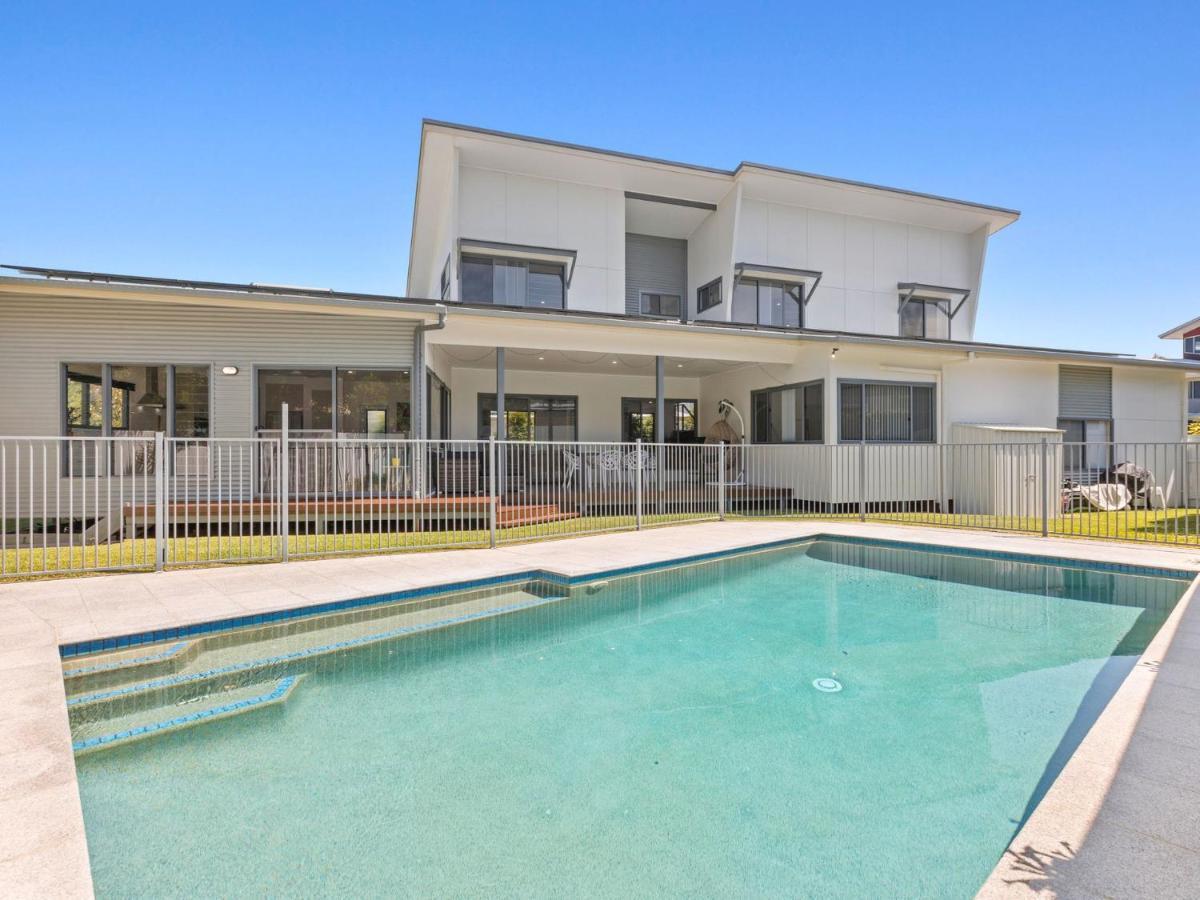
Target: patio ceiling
{"x": 579, "y": 361}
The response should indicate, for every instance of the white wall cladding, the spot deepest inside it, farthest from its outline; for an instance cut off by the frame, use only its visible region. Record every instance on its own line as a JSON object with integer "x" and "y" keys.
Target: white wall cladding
{"x": 710, "y": 255}
{"x": 41, "y": 333}
{"x": 518, "y": 209}
{"x": 861, "y": 261}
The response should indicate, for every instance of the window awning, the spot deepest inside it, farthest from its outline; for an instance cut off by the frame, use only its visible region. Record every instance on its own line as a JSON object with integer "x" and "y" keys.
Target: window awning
{"x": 564, "y": 258}
{"x": 807, "y": 277}
{"x": 955, "y": 298}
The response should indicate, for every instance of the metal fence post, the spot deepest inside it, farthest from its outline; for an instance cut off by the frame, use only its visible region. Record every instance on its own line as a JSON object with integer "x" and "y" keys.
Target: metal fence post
{"x": 862, "y": 481}
{"x": 492, "y": 494}
{"x": 285, "y": 463}
{"x": 160, "y": 501}
{"x": 1045, "y": 484}
{"x": 638, "y": 482}
{"x": 721, "y": 480}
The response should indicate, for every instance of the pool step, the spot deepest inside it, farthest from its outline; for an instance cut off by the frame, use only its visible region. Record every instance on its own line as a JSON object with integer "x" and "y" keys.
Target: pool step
{"x": 120, "y": 730}
{"x": 223, "y": 666}
{"x": 131, "y": 664}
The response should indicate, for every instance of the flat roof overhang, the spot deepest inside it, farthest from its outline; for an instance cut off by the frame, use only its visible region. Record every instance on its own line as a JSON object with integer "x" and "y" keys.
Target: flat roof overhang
{"x": 74, "y": 283}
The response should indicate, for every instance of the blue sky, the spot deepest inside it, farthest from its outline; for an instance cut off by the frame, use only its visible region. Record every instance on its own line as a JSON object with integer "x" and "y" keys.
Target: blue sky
{"x": 278, "y": 142}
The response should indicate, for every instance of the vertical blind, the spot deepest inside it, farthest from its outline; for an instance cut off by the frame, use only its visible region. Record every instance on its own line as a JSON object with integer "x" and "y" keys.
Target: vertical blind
{"x": 887, "y": 412}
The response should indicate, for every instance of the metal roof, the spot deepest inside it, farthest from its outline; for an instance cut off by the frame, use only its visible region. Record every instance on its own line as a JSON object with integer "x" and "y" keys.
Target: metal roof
{"x": 570, "y": 315}
{"x": 781, "y": 170}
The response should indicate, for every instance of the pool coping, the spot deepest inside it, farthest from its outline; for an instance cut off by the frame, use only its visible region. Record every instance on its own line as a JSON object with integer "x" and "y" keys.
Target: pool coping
{"x": 42, "y": 842}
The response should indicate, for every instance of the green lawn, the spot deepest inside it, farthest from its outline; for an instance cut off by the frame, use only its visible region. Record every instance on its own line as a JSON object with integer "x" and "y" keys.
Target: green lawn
{"x": 1173, "y": 526}
{"x": 139, "y": 553}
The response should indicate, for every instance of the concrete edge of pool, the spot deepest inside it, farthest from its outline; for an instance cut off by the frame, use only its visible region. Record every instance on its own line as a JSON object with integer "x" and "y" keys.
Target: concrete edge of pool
{"x": 43, "y": 849}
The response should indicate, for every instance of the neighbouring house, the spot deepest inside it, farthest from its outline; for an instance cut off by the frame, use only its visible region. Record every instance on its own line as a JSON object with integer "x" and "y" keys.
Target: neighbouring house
{"x": 1189, "y": 333}
{"x": 564, "y": 293}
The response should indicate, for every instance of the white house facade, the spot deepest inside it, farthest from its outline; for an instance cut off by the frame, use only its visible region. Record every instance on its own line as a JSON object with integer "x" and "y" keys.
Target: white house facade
{"x": 559, "y": 293}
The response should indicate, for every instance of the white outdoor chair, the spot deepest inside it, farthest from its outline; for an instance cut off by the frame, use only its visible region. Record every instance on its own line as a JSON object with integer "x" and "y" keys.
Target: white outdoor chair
{"x": 570, "y": 467}
{"x": 1159, "y": 496}
{"x": 631, "y": 466}
{"x": 607, "y": 466}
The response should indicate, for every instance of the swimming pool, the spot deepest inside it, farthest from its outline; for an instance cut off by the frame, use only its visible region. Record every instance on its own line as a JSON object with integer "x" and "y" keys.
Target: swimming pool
{"x": 830, "y": 718}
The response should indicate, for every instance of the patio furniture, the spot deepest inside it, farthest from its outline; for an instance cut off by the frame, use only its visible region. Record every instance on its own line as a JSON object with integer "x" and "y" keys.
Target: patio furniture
{"x": 1105, "y": 496}
{"x": 571, "y": 464}
{"x": 648, "y": 465}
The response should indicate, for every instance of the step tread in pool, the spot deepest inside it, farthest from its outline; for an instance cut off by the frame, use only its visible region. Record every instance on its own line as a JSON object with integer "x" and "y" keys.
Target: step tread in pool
{"x": 161, "y": 720}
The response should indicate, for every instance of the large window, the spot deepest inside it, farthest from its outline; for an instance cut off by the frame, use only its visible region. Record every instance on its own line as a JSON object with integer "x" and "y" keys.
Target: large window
{"x": 308, "y": 394}
{"x": 531, "y": 417}
{"x": 789, "y": 414}
{"x": 1191, "y": 347}
{"x": 136, "y": 399}
{"x": 512, "y": 282}
{"x": 887, "y": 412}
{"x": 925, "y": 319}
{"x": 371, "y": 402}
{"x": 637, "y": 420}
{"x": 708, "y": 296}
{"x": 775, "y": 303}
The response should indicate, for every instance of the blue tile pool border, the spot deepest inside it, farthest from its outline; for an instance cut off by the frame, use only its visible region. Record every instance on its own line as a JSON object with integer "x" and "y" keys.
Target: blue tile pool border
{"x": 81, "y": 648}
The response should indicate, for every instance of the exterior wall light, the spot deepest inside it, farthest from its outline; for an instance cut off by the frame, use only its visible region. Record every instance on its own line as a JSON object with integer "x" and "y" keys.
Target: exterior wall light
{"x": 229, "y": 370}
{"x": 833, "y": 353}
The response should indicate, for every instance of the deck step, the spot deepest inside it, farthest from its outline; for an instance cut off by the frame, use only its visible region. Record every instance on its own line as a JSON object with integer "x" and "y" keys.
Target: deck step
{"x": 162, "y": 720}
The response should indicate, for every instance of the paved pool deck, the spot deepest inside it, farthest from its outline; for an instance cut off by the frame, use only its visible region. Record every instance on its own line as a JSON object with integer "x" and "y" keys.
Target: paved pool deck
{"x": 1122, "y": 819}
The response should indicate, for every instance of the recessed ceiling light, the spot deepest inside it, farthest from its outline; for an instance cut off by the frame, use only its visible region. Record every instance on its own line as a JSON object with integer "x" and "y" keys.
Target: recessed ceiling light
{"x": 614, "y": 362}
{"x": 542, "y": 358}
{"x": 679, "y": 365}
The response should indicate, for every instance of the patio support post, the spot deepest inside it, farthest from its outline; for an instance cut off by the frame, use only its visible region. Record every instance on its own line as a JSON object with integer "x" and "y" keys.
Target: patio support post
{"x": 660, "y": 427}
{"x": 285, "y": 464}
{"x": 721, "y": 480}
{"x": 862, "y": 482}
{"x": 501, "y": 433}
{"x": 160, "y": 498}
{"x": 638, "y": 483}
{"x": 501, "y": 422}
{"x": 1045, "y": 483}
{"x": 492, "y": 495}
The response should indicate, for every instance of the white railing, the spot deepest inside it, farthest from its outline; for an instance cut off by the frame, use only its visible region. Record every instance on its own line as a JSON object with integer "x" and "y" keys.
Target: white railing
{"x": 81, "y": 504}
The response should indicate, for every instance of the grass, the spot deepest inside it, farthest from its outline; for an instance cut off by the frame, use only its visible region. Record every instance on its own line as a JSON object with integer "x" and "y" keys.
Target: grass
{"x": 197, "y": 551}
{"x": 1172, "y": 526}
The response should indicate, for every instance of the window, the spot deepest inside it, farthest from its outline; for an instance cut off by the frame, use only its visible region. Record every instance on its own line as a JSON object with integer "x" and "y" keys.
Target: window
{"x": 307, "y": 392}
{"x": 772, "y": 303}
{"x": 142, "y": 399}
{"x": 445, "y": 283}
{"x": 790, "y": 414}
{"x": 637, "y": 420}
{"x": 1194, "y": 398}
{"x": 1087, "y": 446}
{"x": 531, "y": 418}
{"x": 374, "y": 402}
{"x": 437, "y": 395}
{"x": 661, "y": 305}
{"x": 512, "y": 282}
{"x": 887, "y": 412}
{"x": 1191, "y": 347}
{"x": 709, "y": 296}
{"x": 925, "y": 319}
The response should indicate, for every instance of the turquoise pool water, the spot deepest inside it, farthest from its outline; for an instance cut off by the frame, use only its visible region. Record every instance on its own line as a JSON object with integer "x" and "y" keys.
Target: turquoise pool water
{"x": 657, "y": 734}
